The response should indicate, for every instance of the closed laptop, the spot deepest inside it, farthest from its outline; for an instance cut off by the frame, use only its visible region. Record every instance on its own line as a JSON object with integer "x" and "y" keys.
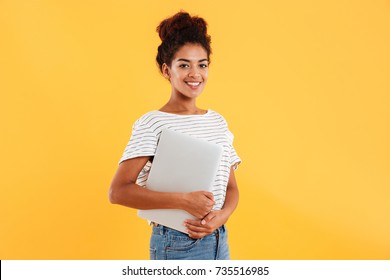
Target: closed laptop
{"x": 182, "y": 163}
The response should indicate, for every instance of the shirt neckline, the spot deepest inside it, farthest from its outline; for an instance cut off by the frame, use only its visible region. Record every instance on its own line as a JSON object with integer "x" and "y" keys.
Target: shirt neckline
{"x": 182, "y": 115}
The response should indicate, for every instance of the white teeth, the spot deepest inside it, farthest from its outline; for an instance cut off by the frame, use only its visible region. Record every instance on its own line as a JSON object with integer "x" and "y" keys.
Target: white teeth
{"x": 193, "y": 84}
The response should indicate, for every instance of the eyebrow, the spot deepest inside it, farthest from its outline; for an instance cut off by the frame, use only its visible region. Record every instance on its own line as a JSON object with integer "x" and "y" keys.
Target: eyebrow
{"x": 186, "y": 60}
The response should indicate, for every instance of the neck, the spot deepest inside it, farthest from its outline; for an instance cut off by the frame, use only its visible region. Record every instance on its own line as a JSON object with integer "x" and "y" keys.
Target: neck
{"x": 184, "y": 106}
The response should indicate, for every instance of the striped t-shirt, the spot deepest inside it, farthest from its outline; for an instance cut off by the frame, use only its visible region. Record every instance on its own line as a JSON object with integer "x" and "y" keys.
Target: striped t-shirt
{"x": 210, "y": 126}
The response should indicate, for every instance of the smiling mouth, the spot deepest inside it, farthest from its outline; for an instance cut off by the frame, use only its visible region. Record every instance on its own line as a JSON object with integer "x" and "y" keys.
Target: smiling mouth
{"x": 193, "y": 84}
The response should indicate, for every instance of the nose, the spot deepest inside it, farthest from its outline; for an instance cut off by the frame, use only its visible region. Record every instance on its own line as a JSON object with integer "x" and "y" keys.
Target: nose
{"x": 194, "y": 73}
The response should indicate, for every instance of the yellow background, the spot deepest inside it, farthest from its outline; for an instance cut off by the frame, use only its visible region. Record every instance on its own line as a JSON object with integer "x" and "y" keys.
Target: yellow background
{"x": 304, "y": 86}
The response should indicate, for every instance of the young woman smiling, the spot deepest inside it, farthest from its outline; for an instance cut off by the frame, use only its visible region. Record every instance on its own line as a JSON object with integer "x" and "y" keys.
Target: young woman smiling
{"x": 183, "y": 58}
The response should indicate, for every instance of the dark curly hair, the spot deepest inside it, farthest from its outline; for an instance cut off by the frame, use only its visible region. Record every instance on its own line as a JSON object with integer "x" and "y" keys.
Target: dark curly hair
{"x": 178, "y": 30}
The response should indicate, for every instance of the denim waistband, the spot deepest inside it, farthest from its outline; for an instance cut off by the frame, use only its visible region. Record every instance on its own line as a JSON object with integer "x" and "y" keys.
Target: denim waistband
{"x": 162, "y": 230}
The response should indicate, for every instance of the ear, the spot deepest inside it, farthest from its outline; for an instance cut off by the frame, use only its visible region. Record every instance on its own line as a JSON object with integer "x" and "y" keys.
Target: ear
{"x": 165, "y": 71}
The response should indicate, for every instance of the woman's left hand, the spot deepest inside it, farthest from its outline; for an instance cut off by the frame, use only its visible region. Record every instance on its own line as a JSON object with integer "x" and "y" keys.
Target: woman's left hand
{"x": 215, "y": 219}
{"x": 200, "y": 228}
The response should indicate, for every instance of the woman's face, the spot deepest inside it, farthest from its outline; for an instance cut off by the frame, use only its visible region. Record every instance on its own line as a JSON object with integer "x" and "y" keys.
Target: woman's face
{"x": 189, "y": 70}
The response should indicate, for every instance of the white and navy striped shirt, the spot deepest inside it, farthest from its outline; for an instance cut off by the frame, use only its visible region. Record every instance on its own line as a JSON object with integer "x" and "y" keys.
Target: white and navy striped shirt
{"x": 210, "y": 126}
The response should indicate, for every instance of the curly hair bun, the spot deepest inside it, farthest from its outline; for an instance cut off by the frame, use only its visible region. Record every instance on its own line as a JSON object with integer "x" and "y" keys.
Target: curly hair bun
{"x": 180, "y": 22}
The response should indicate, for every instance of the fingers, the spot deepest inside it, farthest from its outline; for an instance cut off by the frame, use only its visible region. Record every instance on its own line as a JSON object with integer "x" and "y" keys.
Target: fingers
{"x": 205, "y": 222}
{"x": 200, "y": 228}
{"x": 200, "y": 214}
{"x": 208, "y": 218}
{"x": 197, "y": 235}
{"x": 206, "y": 225}
{"x": 198, "y": 231}
{"x": 202, "y": 203}
{"x": 209, "y": 195}
{"x": 209, "y": 204}
{"x": 196, "y": 228}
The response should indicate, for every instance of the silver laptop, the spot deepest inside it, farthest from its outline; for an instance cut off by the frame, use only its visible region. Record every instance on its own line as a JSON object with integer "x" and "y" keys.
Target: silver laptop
{"x": 182, "y": 163}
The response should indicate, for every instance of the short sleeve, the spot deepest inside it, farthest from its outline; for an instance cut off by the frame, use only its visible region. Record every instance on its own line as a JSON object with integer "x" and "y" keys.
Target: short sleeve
{"x": 235, "y": 160}
{"x": 143, "y": 142}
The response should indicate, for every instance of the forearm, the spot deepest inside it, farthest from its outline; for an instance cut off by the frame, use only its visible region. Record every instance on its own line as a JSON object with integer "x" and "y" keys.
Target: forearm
{"x": 135, "y": 196}
{"x": 231, "y": 201}
{"x": 126, "y": 192}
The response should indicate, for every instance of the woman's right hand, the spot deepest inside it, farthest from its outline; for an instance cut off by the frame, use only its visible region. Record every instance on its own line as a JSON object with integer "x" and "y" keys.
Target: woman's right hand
{"x": 199, "y": 203}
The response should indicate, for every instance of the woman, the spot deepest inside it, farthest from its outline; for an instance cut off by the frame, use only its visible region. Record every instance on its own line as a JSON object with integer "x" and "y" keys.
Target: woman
{"x": 183, "y": 58}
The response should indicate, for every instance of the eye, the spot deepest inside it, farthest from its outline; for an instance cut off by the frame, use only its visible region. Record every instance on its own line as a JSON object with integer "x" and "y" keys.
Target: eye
{"x": 183, "y": 65}
{"x": 203, "y": 65}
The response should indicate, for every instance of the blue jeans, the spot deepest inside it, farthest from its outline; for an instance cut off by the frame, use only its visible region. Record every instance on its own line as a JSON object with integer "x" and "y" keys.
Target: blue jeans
{"x": 170, "y": 244}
